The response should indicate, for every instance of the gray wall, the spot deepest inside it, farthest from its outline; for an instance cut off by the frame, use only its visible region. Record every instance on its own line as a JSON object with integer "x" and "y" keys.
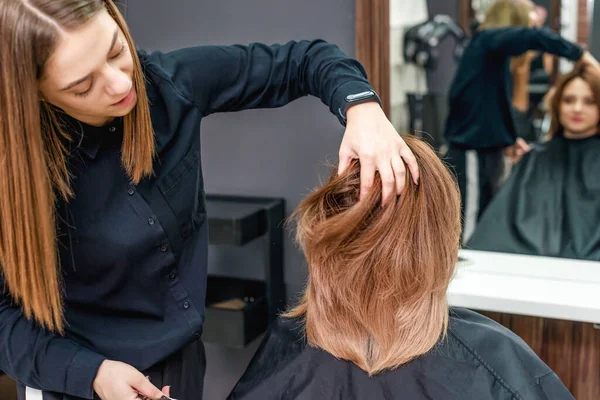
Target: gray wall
{"x": 260, "y": 152}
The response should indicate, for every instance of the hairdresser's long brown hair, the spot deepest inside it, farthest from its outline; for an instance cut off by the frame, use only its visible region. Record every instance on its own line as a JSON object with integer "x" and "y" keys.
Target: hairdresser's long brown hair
{"x": 580, "y": 70}
{"x": 376, "y": 292}
{"x": 33, "y": 159}
{"x": 506, "y": 13}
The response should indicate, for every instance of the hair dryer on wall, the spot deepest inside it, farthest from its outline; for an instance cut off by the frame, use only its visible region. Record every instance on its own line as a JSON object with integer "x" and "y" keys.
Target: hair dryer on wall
{"x": 421, "y": 41}
{"x": 421, "y": 49}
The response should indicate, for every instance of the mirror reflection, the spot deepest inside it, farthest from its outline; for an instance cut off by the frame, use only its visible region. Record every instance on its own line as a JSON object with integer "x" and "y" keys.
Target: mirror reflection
{"x": 506, "y": 92}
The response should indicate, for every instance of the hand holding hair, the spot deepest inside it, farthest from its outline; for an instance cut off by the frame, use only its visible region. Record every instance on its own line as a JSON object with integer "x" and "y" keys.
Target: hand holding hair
{"x": 371, "y": 138}
{"x": 590, "y": 61}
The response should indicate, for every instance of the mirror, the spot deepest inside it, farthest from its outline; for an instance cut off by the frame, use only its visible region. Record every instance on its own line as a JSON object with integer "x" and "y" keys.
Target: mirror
{"x": 548, "y": 202}
{"x": 427, "y": 40}
{"x": 545, "y": 204}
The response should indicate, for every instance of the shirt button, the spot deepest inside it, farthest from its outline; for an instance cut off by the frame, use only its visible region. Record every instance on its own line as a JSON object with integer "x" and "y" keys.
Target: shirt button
{"x": 112, "y": 129}
{"x": 163, "y": 248}
{"x": 198, "y": 334}
{"x": 173, "y": 275}
{"x": 150, "y": 221}
{"x": 186, "y": 305}
{"x": 130, "y": 191}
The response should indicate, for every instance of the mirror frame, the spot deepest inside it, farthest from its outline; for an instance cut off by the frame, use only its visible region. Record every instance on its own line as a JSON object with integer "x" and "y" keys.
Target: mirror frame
{"x": 372, "y": 45}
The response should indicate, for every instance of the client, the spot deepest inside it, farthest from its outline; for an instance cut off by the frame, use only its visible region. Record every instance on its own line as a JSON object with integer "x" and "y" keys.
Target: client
{"x": 549, "y": 206}
{"x": 373, "y": 322}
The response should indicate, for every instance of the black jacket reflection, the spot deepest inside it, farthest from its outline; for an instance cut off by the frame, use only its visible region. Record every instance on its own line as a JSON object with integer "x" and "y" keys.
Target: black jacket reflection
{"x": 478, "y": 359}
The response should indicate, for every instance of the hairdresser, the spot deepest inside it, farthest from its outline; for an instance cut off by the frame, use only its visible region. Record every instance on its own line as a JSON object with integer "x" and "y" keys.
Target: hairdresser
{"x": 103, "y": 227}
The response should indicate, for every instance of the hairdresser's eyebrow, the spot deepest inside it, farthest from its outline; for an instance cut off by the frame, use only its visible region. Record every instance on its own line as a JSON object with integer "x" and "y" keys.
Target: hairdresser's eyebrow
{"x": 85, "y": 78}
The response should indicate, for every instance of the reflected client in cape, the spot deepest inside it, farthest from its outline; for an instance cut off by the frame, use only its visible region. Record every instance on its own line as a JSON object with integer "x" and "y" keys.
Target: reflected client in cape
{"x": 550, "y": 205}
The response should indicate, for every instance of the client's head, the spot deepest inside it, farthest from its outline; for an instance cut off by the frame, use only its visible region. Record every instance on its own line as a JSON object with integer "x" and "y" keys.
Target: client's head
{"x": 376, "y": 291}
{"x": 575, "y": 104}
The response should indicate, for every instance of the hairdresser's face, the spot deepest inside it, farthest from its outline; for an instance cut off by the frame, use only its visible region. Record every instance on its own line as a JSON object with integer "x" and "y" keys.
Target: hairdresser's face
{"x": 537, "y": 15}
{"x": 534, "y": 19}
{"x": 578, "y": 110}
{"x": 89, "y": 76}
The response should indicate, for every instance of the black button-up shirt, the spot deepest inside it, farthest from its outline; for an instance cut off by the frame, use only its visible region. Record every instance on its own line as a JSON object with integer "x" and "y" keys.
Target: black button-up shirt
{"x": 134, "y": 258}
{"x": 480, "y": 115}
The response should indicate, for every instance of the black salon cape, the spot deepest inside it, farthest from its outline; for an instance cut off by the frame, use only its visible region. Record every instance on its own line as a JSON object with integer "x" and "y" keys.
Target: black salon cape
{"x": 478, "y": 360}
{"x": 549, "y": 206}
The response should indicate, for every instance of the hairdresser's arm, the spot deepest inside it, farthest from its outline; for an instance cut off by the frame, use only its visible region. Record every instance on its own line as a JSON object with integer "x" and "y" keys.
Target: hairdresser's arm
{"x": 520, "y": 102}
{"x": 521, "y": 68}
{"x": 515, "y": 41}
{"x": 42, "y": 360}
{"x": 232, "y": 78}
{"x": 548, "y": 62}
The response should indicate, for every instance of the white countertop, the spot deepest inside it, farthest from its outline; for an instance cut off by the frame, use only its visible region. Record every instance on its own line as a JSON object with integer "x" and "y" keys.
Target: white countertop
{"x": 528, "y": 285}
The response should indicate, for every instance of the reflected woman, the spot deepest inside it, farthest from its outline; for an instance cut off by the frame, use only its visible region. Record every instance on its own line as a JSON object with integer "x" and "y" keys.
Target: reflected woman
{"x": 549, "y": 205}
{"x": 374, "y": 321}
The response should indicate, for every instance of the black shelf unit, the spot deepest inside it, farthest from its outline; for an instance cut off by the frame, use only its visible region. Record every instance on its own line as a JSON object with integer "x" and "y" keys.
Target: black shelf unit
{"x": 236, "y": 221}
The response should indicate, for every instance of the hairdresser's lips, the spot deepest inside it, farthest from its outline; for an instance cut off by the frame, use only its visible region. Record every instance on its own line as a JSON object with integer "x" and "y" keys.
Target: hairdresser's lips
{"x": 127, "y": 100}
{"x": 577, "y": 120}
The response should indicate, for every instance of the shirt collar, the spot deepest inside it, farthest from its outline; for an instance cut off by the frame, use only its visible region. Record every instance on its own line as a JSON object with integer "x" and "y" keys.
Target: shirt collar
{"x": 88, "y": 139}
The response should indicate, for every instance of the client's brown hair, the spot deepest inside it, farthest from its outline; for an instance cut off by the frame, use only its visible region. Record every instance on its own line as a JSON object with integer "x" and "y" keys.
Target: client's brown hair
{"x": 580, "y": 70}
{"x": 376, "y": 291}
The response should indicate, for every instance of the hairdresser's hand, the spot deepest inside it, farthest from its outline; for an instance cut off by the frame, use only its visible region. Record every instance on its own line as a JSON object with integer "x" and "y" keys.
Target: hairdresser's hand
{"x": 589, "y": 60}
{"x": 517, "y": 151}
{"x": 119, "y": 381}
{"x": 372, "y": 139}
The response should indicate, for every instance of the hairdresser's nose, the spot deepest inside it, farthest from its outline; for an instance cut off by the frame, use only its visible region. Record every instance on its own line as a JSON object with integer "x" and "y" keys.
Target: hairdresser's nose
{"x": 118, "y": 82}
{"x": 578, "y": 106}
